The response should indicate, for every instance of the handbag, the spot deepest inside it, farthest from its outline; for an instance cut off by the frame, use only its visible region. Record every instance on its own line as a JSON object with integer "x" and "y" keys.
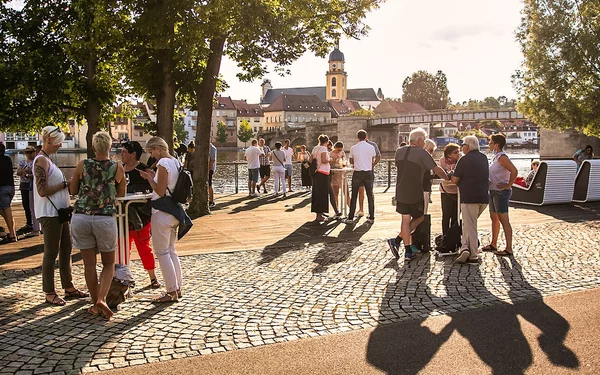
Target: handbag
{"x": 64, "y": 214}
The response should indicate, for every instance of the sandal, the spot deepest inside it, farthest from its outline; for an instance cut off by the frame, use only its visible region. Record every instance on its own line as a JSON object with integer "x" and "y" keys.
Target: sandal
{"x": 166, "y": 298}
{"x": 154, "y": 283}
{"x": 489, "y": 247}
{"x": 75, "y": 294}
{"x": 56, "y": 300}
{"x": 503, "y": 253}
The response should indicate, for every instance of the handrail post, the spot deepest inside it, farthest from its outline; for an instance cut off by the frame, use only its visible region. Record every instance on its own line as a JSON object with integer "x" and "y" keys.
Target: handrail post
{"x": 236, "y": 178}
{"x": 389, "y": 163}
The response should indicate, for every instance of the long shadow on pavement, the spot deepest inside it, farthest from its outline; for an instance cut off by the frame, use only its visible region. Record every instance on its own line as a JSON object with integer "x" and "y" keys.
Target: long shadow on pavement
{"x": 494, "y": 333}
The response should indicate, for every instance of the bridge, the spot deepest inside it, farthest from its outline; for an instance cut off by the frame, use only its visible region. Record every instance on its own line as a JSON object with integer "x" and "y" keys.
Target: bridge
{"x": 447, "y": 115}
{"x": 382, "y": 130}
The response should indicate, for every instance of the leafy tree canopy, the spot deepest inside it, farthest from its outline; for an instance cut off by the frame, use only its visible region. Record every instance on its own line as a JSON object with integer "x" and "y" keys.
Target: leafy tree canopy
{"x": 362, "y": 113}
{"x": 430, "y": 91}
{"x": 221, "y": 132}
{"x": 245, "y": 132}
{"x": 559, "y": 84}
{"x": 501, "y": 102}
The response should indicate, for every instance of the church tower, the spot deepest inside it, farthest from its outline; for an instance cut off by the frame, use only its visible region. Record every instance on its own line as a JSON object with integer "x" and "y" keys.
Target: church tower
{"x": 337, "y": 87}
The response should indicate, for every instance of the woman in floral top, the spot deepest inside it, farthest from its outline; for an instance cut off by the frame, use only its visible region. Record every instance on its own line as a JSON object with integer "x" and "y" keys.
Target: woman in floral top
{"x": 97, "y": 182}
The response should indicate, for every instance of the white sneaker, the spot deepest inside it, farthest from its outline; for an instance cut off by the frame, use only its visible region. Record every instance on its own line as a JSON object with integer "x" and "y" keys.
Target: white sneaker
{"x": 463, "y": 257}
{"x": 360, "y": 213}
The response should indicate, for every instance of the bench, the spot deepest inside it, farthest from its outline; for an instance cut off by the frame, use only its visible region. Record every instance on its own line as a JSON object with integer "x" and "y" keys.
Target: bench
{"x": 587, "y": 182}
{"x": 553, "y": 184}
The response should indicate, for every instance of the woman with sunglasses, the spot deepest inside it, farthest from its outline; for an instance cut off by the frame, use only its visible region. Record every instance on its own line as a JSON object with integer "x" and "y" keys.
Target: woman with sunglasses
{"x": 51, "y": 194}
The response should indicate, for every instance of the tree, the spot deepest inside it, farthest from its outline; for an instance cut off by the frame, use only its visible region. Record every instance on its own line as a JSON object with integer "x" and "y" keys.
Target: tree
{"x": 491, "y": 103}
{"x": 179, "y": 130}
{"x": 428, "y": 90}
{"x": 362, "y": 113}
{"x": 280, "y": 32}
{"x": 221, "y": 132}
{"x": 245, "y": 132}
{"x": 559, "y": 84}
{"x": 59, "y": 60}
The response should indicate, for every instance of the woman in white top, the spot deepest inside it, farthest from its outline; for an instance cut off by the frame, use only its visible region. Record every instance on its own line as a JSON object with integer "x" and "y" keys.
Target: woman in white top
{"x": 502, "y": 176}
{"x": 278, "y": 158}
{"x": 50, "y": 194}
{"x": 164, "y": 225}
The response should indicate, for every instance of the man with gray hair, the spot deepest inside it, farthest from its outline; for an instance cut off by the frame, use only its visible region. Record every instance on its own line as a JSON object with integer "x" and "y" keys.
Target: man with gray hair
{"x": 412, "y": 161}
{"x": 472, "y": 178}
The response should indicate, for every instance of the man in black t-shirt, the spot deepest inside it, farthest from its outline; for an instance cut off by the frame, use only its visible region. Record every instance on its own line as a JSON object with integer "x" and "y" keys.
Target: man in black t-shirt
{"x": 472, "y": 178}
{"x": 412, "y": 162}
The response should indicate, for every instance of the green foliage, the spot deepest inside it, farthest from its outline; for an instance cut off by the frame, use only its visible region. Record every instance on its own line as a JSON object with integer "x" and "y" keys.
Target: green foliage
{"x": 179, "y": 130}
{"x": 438, "y": 133}
{"x": 221, "y": 132}
{"x": 499, "y": 103}
{"x": 560, "y": 78}
{"x": 430, "y": 91}
{"x": 245, "y": 132}
{"x": 63, "y": 63}
{"x": 362, "y": 113}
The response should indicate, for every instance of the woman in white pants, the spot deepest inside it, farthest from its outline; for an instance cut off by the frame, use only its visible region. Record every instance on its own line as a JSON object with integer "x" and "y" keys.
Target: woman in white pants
{"x": 278, "y": 158}
{"x": 164, "y": 225}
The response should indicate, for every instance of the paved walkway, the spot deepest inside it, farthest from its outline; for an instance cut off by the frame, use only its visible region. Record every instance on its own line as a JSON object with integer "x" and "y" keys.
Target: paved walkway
{"x": 285, "y": 293}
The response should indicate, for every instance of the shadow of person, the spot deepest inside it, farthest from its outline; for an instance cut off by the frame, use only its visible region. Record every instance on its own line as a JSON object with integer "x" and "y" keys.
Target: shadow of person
{"x": 494, "y": 333}
{"x": 309, "y": 233}
{"x": 553, "y": 326}
{"x": 405, "y": 348}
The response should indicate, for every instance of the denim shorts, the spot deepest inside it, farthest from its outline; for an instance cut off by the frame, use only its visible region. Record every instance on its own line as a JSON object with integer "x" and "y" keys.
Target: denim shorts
{"x": 7, "y": 194}
{"x": 499, "y": 200}
{"x": 288, "y": 170}
{"x": 94, "y": 232}
{"x": 253, "y": 174}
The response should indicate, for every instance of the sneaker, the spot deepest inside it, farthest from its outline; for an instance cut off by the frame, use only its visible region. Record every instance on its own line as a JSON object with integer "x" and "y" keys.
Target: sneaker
{"x": 211, "y": 204}
{"x": 463, "y": 257}
{"x": 33, "y": 233}
{"x": 265, "y": 189}
{"x": 24, "y": 229}
{"x": 393, "y": 247}
{"x": 370, "y": 220}
{"x": 410, "y": 253}
{"x": 350, "y": 221}
{"x": 360, "y": 213}
{"x": 338, "y": 215}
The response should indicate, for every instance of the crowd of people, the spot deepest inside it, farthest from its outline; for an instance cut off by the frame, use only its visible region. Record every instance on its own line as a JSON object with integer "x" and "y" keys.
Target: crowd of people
{"x": 89, "y": 225}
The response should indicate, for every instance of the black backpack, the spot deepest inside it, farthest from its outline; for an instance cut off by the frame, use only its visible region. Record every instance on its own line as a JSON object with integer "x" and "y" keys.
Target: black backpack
{"x": 450, "y": 242}
{"x": 184, "y": 187}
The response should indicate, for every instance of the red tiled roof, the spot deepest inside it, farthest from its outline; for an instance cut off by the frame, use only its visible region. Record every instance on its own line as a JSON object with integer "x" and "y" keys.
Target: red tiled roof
{"x": 224, "y": 102}
{"x": 247, "y": 110}
{"x": 406, "y": 107}
{"x": 344, "y": 107}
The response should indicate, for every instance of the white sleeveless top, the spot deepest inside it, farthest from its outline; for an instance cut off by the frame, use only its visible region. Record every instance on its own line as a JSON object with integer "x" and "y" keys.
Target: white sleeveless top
{"x": 43, "y": 207}
{"x": 498, "y": 174}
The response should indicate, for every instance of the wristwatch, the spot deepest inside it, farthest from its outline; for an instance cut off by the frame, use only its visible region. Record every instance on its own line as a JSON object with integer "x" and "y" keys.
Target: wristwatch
{"x": 65, "y": 184}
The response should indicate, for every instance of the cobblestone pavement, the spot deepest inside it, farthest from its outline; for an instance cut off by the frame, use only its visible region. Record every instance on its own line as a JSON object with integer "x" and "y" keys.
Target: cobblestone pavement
{"x": 252, "y": 298}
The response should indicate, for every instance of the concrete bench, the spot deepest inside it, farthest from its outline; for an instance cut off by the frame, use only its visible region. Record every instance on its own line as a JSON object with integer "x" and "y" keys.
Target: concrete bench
{"x": 553, "y": 184}
{"x": 587, "y": 182}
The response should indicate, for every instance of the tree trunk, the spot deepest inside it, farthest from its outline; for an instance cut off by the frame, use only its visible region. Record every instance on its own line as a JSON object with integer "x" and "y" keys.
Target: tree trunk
{"x": 92, "y": 107}
{"x": 205, "y": 93}
{"x": 165, "y": 106}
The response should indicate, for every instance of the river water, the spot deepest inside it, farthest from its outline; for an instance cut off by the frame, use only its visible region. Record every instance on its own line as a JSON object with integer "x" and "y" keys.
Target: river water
{"x": 228, "y": 161}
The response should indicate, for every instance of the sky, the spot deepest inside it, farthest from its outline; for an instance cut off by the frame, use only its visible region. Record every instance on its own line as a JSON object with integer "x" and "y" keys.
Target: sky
{"x": 472, "y": 41}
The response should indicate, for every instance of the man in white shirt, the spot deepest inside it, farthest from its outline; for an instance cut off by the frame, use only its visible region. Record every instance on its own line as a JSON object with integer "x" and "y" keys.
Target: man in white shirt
{"x": 361, "y": 156}
{"x": 252, "y": 156}
{"x": 289, "y": 155}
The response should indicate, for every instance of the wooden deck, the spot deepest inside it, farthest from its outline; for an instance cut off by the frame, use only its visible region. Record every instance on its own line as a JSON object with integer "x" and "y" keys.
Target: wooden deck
{"x": 241, "y": 223}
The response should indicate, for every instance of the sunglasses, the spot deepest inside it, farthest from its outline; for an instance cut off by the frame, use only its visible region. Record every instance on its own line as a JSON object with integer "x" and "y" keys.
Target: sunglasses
{"x": 55, "y": 130}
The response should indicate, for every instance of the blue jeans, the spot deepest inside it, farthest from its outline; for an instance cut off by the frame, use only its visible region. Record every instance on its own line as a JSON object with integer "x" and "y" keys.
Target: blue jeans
{"x": 499, "y": 200}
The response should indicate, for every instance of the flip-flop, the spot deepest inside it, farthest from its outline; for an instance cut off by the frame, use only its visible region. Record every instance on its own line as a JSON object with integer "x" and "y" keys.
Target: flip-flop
{"x": 503, "y": 253}
{"x": 489, "y": 247}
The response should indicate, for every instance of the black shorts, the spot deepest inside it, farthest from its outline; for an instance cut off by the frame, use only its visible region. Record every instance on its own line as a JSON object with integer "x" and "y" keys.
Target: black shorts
{"x": 210, "y": 174}
{"x": 415, "y": 210}
{"x": 265, "y": 171}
